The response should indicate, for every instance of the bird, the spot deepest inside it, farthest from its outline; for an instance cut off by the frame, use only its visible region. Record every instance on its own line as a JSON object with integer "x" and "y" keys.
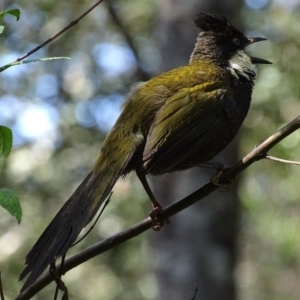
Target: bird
{"x": 172, "y": 122}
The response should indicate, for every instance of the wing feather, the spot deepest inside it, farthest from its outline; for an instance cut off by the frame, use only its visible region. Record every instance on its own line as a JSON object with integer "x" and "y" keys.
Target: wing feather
{"x": 189, "y": 120}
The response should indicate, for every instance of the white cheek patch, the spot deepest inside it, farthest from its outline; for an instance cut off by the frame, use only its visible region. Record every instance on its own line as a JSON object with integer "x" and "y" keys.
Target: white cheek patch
{"x": 240, "y": 65}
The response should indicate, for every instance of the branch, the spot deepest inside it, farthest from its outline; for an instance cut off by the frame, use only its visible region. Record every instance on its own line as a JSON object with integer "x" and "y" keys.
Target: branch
{"x": 73, "y": 23}
{"x": 130, "y": 41}
{"x": 256, "y": 154}
{"x": 285, "y": 161}
{"x": 261, "y": 150}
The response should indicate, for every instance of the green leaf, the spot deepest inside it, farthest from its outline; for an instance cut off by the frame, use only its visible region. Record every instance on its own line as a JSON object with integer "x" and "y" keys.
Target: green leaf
{"x": 5, "y": 141}
{"x": 30, "y": 61}
{"x": 10, "y": 201}
{"x": 14, "y": 12}
{"x": 1, "y": 29}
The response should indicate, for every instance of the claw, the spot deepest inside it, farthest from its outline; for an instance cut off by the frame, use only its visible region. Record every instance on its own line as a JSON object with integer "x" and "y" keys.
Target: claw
{"x": 224, "y": 186}
{"x": 157, "y": 223}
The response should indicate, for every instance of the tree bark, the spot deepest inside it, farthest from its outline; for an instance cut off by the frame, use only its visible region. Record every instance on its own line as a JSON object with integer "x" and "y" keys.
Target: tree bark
{"x": 198, "y": 248}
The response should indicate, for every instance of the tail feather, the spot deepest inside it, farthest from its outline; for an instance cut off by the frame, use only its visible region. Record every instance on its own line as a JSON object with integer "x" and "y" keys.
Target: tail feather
{"x": 64, "y": 229}
{"x": 82, "y": 206}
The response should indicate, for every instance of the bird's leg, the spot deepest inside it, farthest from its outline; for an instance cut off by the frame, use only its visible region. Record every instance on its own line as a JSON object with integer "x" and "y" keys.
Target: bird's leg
{"x": 157, "y": 208}
{"x": 215, "y": 178}
{"x": 155, "y": 203}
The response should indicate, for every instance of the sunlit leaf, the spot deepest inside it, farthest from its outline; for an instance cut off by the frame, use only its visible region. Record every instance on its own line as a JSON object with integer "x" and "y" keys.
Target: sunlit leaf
{"x": 10, "y": 201}
{"x": 14, "y": 12}
{"x": 5, "y": 141}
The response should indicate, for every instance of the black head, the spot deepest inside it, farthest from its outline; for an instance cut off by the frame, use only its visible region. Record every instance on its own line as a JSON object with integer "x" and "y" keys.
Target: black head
{"x": 220, "y": 39}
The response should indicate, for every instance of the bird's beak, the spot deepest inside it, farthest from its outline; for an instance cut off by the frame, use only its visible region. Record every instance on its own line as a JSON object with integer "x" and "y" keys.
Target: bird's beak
{"x": 256, "y": 60}
{"x": 252, "y": 40}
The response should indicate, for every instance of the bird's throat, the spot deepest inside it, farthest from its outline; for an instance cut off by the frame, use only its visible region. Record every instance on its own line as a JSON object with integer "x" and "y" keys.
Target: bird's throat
{"x": 240, "y": 65}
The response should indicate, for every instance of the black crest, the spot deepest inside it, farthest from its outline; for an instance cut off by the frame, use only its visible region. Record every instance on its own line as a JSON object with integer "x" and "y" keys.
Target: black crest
{"x": 214, "y": 23}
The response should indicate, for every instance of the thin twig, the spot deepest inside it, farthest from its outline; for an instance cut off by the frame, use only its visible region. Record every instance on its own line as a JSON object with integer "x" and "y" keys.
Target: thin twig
{"x": 285, "y": 161}
{"x": 59, "y": 273}
{"x": 98, "y": 217}
{"x": 195, "y": 293}
{"x": 128, "y": 37}
{"x": 257, "y": 154}
{"x": 73, "y": 23}
{"x": 56, "y": 276}
{"x": 1, "y": 289}
{"x": 56, "y": 291}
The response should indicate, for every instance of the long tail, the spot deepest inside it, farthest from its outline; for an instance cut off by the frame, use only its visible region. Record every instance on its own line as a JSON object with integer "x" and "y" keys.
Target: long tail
{"x": 78, "y": 211}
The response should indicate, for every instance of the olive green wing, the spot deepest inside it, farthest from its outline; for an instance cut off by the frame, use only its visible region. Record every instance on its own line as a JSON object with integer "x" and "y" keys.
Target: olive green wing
{"x": 188, "y": 121}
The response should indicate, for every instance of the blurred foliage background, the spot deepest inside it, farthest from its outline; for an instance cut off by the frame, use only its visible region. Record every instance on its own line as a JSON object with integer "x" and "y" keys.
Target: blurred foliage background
{"x": 60, "y": 111}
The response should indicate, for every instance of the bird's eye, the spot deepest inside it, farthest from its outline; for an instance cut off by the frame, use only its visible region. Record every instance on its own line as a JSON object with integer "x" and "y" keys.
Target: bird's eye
{"x": 236, "y": 41}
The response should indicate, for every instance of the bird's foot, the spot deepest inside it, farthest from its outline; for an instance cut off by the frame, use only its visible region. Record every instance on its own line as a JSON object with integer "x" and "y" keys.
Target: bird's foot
{"x": 215, "y": 179}
{"x": 157, "y": 222}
